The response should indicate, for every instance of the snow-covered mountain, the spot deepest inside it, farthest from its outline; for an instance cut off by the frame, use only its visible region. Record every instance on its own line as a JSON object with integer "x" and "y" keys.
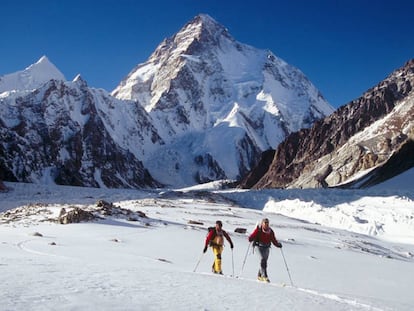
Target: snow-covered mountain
{"x": 217, "y": 103}
{"x": 32, "y": 77}
{"x": 363, "y": 143}
{"x": 67, "y": 133}
{"x": 202, "y": 108}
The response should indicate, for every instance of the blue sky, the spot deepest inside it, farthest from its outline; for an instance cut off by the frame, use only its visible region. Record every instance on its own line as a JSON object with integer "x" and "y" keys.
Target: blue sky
{"x": 343, "y": 47}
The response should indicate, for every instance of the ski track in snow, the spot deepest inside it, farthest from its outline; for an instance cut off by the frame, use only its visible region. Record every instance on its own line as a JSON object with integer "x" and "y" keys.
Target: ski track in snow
{"x": 351, "y": 302}
{"x": 336, "y": 298}
{"x": 23, "y": 245}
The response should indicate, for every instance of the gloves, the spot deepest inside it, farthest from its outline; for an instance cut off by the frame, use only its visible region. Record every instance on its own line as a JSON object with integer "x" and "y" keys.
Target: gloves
{"x": 279, "y": 245}
{"x": 231, "y": 245}
{"x": 205, "y": 249}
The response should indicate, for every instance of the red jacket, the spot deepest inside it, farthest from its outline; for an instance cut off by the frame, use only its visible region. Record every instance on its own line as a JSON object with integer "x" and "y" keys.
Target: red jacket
{"x": 213, "y": 233}
{"x": 262, "y": 237}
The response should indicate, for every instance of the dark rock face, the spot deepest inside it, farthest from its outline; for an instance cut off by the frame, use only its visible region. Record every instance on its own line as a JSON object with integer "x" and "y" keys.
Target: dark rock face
{"x": 211, "y": 172}
{"x": 347, "y": 142}
{"x": 2, "y": 186}
{"x": 261, "y": 168}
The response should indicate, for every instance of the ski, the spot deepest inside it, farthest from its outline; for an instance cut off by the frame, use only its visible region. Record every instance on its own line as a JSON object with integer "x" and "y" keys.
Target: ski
{"x": 259, "y": 279}
{"x": 263, "y": 279}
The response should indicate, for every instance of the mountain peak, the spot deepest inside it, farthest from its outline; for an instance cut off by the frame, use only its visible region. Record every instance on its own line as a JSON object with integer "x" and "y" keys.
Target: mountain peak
{"x": 43, "y": 60}
{"x": 409, "y": 63}
{"x": 199, "y": 35}
{"x": 32, "y": 77}
{"x": 45, "y": 68}
{"x": 79, "y": 80}
{"x": 200, "y": 84}
{"x": 204, "y": 24}
{"x": 205, "y": 20}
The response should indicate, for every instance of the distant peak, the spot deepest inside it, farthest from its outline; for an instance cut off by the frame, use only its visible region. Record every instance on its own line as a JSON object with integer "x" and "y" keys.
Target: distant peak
{"x": 44, "y": 64}
{"x": 79, "y": 80}
{"x": 43, "y": 59}
{"x": 32, "y": 77}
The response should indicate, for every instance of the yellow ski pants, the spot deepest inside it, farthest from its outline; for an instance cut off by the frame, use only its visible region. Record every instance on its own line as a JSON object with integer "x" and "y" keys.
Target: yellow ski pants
{"x": 217, "y": 250}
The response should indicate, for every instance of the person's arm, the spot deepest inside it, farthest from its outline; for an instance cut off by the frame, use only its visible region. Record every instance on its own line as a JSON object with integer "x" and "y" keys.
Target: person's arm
{"x": 208, "y": 239}
{"x": 274, "y": 240}
{"x": 253, "y": 235}
{"x": 228, "y": 239}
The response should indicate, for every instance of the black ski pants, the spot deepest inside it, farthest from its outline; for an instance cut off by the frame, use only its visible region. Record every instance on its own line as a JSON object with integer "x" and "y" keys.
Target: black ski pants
{"x": 264, "y": 255}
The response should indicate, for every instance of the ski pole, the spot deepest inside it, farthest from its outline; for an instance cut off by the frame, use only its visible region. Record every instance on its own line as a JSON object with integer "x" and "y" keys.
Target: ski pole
{"x": 245, "y": 257}
{"x": 287, "y": 268}
{"x": 232, "y": 261}
{"x": 198, "y": 262}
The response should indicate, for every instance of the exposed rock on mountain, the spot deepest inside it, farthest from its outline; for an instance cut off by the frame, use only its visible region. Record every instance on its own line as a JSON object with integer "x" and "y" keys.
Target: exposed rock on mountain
{"x": 401, "y": 161}
{"x": 217, "y": 103}
{"x": 360, "y": 144}
{"x": 2, "y": 186}
{"x": 259, "y": 170}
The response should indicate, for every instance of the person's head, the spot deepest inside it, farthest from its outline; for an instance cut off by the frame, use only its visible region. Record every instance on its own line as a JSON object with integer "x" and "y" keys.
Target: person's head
{"x": 219, "y": 224}
{"x": 265, "y": 223}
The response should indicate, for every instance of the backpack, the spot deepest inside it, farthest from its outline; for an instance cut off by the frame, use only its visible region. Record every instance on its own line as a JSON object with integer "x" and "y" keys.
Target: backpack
{"x": 209, "y": 229}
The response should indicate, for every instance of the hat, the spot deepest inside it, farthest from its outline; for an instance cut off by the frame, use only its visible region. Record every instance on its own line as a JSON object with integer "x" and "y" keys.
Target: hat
{"x": 218, "y": 222}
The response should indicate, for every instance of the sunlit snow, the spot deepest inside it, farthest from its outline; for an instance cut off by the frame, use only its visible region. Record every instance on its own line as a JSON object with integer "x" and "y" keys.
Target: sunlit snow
{"x": 121, "y": 263}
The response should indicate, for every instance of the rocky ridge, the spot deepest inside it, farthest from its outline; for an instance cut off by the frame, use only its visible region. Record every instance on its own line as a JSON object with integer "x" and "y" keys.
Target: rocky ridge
{"x": 352, "y": 147}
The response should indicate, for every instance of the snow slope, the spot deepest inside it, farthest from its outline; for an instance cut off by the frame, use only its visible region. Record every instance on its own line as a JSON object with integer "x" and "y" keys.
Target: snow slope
{"x": 148, "y": 264}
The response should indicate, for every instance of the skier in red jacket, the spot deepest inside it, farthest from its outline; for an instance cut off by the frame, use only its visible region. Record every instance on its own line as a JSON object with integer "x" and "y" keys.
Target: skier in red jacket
{"x": 215, "y": 238}
{"x": 263, "y": 236}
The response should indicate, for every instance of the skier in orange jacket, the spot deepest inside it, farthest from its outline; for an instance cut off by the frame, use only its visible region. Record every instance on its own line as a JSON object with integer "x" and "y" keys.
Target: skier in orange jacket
{"x": 215, "y": 239}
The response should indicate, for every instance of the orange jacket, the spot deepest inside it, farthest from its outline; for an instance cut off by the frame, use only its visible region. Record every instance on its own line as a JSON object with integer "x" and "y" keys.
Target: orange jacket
{"x": 213, "y": 233}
